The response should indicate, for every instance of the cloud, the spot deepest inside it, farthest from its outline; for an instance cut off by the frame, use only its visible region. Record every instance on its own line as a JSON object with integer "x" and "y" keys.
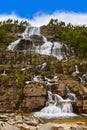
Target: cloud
{"x": 40, "y": 19}
{"x": 4, "y": 17}
{"x": 67, "y": 17}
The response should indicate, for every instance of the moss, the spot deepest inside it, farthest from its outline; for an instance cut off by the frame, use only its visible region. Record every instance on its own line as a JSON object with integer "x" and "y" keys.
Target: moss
{"x": 19, "y": 78}
{"x": 16, "y": 101}
{"x": 5, "y": 78}
{"x": 56, "y": 66}
{"x": 20, "y": 91}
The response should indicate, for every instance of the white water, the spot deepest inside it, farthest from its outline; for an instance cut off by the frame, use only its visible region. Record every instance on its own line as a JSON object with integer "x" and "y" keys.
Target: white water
{"x": 81, "y": 75}
{"x": 56, "y": 107}
{"x": 70, "y": 95}
{"x": 34, "y": 31}
{"x": 58, "y": 98}
{"x": 37, "y": 78}
{"x": 25, "y": 34}
{"x": 29, "y": 31}
{"x": 47, "y": 48}
{"x": 4, "y": 72}
{"x": 77, "y": 70}
{"x": 13, "y": 45}
{"x": 42, "y": 66}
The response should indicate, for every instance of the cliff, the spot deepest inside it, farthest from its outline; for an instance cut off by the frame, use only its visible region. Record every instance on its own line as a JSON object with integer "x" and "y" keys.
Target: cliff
{"x": 20, "y": 92}
{"x": 24, "y": 74}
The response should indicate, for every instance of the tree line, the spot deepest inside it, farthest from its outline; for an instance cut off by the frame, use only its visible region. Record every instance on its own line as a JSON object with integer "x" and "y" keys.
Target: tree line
{"x": 73, "y": 35}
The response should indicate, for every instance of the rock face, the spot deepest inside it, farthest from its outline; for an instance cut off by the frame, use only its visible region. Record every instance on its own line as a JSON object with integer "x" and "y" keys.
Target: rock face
{"x": 24, "y": 44}
{"x": 50, "y": 33}
{"x": 29, "y": 43}
{"x": 80, "y": 106}
{"x": 18, "y": 90}
{"x": 37, "y": 39}
{"x": 35, "y": 97}
{"x": 17, "y": 69}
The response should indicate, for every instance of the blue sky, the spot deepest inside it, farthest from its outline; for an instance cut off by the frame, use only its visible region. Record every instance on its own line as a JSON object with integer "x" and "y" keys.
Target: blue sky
{"x": 41, "y": 11}
{"x": 28, "y": 8}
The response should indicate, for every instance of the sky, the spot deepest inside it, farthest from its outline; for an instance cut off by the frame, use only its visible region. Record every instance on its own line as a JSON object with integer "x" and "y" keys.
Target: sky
{"x": 39, "y": 12}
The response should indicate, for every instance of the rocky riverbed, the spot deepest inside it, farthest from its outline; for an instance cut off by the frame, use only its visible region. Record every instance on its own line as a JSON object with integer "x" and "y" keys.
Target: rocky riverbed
{"x": 14, "y": 121}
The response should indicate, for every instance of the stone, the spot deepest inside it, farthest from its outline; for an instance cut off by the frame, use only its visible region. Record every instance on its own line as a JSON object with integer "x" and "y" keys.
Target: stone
{"x": 37, "y": 39}
{"x": 31, "y": 90}
{"x": 51, "y": 126}
{"x": 18, "y": 118}
{"x": 24, "y": 44}
{"x": 57, "y": 128}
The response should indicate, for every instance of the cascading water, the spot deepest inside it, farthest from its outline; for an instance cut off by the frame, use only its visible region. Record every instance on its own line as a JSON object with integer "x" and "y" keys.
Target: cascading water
{"x": 13, "y": 45}
{"x": 70, "y": 95}
{"x": 77, "y": 70}
{"x": 26, "y": 35}
{"x": 4, "y": 72}
{"x": 57, "y": 107}
{"x": 81, "y": 75}
{"x": 46, "y": 47}
{"x": 34, "y": 31}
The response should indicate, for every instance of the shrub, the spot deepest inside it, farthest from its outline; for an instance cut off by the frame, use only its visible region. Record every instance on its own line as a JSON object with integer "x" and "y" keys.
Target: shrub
{"x": 20, "y": 91}
{"x": 5, "y": 78}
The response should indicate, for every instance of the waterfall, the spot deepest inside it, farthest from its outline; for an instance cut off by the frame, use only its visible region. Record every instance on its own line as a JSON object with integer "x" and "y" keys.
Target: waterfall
{"x": 37, "y": 78}
{"x": 77, "y": 70}
{"x": 50, "y": 96}
{"x": 34, "y": 31}
{"x": 13, "y": 45}
{"x": 30, "y": 31}
{"x": 4, "y": 72}
{"x": 58, "y": 98}
{"x": 46, "y": 47}
{"x": 56, "y": 51}
{"x": 81, "y": 75}
{"x": 70, "y": 95}
{"x": 25, "y": 34}
{"x": 43, "y": 66}
{"x": 57, "y": 107}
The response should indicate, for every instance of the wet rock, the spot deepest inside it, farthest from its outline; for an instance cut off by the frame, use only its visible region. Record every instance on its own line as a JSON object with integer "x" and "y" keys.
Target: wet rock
{"x": 37, "y": 39}
{"x": 24, "y": 44}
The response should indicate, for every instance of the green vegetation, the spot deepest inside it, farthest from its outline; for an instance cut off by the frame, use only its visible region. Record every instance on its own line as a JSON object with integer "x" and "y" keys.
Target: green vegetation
{"x": 55, "y": 67}
{"x": 20, "y": 91}
{"x": 16, "y": 102}
{"x": 8, "y": 31}
{"x": 75, "y": 36}
{"x": 5, "y": 78}
{"x": 19, "y": 80}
